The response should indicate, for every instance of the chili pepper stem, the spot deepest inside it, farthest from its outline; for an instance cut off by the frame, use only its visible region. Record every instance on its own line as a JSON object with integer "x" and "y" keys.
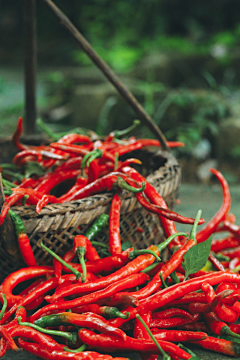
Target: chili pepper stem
{"x": 4, "y": 306}
{"x": 164, "y": 354}
{"x": 162, "y": 279}
{"x": 134, "y": 253}
{"x": 165, "y": 243}
{"x": 74, "y": 271}
{"x": 193, "y": 232}
{"x": 225, "y": 330}
{"x": 69, "y": 336}
{"x": 80, "y": 349}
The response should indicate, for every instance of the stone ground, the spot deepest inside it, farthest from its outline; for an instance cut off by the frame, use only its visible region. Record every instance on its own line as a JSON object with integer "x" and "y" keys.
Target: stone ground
{"x": 193, "y": 198}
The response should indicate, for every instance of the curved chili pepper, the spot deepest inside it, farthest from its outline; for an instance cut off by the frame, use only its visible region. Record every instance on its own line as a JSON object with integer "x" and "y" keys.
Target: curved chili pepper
{"x": 107, "y": 341}
{"x": 230, "y": 227}
{"x": 33, "y": 295}
{"x": 61, "y": 354}
{"x": 223, "y": 312}
{"x": 130, "y": 281}
{"x": 120, "y": 299}
{"x": 110, "y": 312}
{"x": 217, "y": 326}
{"x": 155, "y": 198}
{"x": 196, "y": 326}
{"x": 176, "y": 291}
{"x": 89, "y": 320}
{"x": 221, "y": 244}
{"x": 104, "y": 183}
{"x": 131, "y": 268}
{"x": 216, "y": 263}
{"x": 170, "y": 215}
{"x": 173, "y": 322}
{"x": 18, "y": 276}
{"x": 16, "y": 135}
{"x": 23, "y": 240}
{"x": 140, "y": 332}
{"x": 209, "y": 307}
{"x": 166, "y": 269}
{"x": 74, "y": 138}
{"x": 121, "y": 133}
{"x": 209, "y": 228}
{"x": 114, "y": 225}
{"x": 168, "y": 313}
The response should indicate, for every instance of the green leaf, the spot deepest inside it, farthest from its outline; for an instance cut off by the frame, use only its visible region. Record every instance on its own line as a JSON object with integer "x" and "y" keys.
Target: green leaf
{"x": 33, "y": 168}
{"x": 196, "y": 257}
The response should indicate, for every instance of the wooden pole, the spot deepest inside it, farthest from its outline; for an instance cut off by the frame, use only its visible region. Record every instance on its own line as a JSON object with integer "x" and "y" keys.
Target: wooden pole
{"x": 30, "y": 65}
{"x": 110, "y": 75}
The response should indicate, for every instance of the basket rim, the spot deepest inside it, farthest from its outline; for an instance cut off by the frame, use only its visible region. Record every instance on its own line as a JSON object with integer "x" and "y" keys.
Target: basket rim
{"x": 91, "y": 202}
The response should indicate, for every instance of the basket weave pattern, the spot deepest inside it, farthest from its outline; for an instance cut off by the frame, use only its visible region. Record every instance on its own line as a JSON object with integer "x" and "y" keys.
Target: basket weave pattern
{"x": 59, "y": 223}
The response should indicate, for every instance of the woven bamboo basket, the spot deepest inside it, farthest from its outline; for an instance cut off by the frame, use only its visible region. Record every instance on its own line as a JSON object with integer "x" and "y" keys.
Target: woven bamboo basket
{"x": 57, "y": 224}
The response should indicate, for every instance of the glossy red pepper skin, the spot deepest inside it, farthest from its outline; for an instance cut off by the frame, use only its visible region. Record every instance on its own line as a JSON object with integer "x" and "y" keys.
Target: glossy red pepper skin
{"x": 226, "y": 243}
{"x": 88, "y": 319}
{"x": 114, "y": 226}
{"x": 141, "y": 333}
{"x": 32, "y": 296}
{"x": 19, "y": 276}
{"x": 113, "y": 343}
{"x": 173, "y": 322}
{"x": 168, "y": 225}
{"x": 168, "y": 313}
{"x": 131, "y": 268}
{"x": 211, "y": 227}
{"x": 130, "y": 281}
{"x": 178, "y": 335}
{"x": 174, "y": 292}
{"x": 219, "y": 345}
{"x": 216, "y": 263}
{"x": 223, "y": 312}
{"x": 166, "y": 270}
{"x": 60, "y": 354}
{"x": 23, "y": 240}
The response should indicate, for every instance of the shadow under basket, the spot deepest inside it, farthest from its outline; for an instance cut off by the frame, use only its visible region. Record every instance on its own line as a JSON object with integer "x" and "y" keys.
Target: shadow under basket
{"x": 59, "y": 223}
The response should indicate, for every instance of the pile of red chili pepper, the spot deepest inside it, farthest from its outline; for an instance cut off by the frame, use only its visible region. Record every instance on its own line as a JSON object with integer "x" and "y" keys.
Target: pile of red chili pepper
{"x": 86, "y": 306}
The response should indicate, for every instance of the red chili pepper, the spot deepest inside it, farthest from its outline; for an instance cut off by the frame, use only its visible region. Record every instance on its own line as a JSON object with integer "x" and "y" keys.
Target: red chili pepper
{"x": 32, "y": 296}
{"x": 229, "y": 226}
{"x": 75, "y": 138}
{"x": 114, "y": 226}
{"x": 89, "y": 320}
{"x": 168, "y": 313}
{"x": 176, "y": 291}
{"x": 16, "y": 135}
{"x": 209, "y": 307}
{"x": 19, "y": 276}
{"x": 167, "y": 269}
{"x": 23, "y": 240}
{"x": 170, "y": 215}
{"x": 177, "y": 335}
{"x": 107, "y": 341}
{"x": 131, "y": 268}
{"x": 155, "y": 198}
{"x": 219, "y": 245}
{"x": 173, "y": 322}
{"x": 217, "y": 326}
{"x": 216, "y": 263}
{"x": 211, "y": 227}
{"x": 219, "y": 345}
{"x": 130, "y": 281}
{"x": 223, "y": 312}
